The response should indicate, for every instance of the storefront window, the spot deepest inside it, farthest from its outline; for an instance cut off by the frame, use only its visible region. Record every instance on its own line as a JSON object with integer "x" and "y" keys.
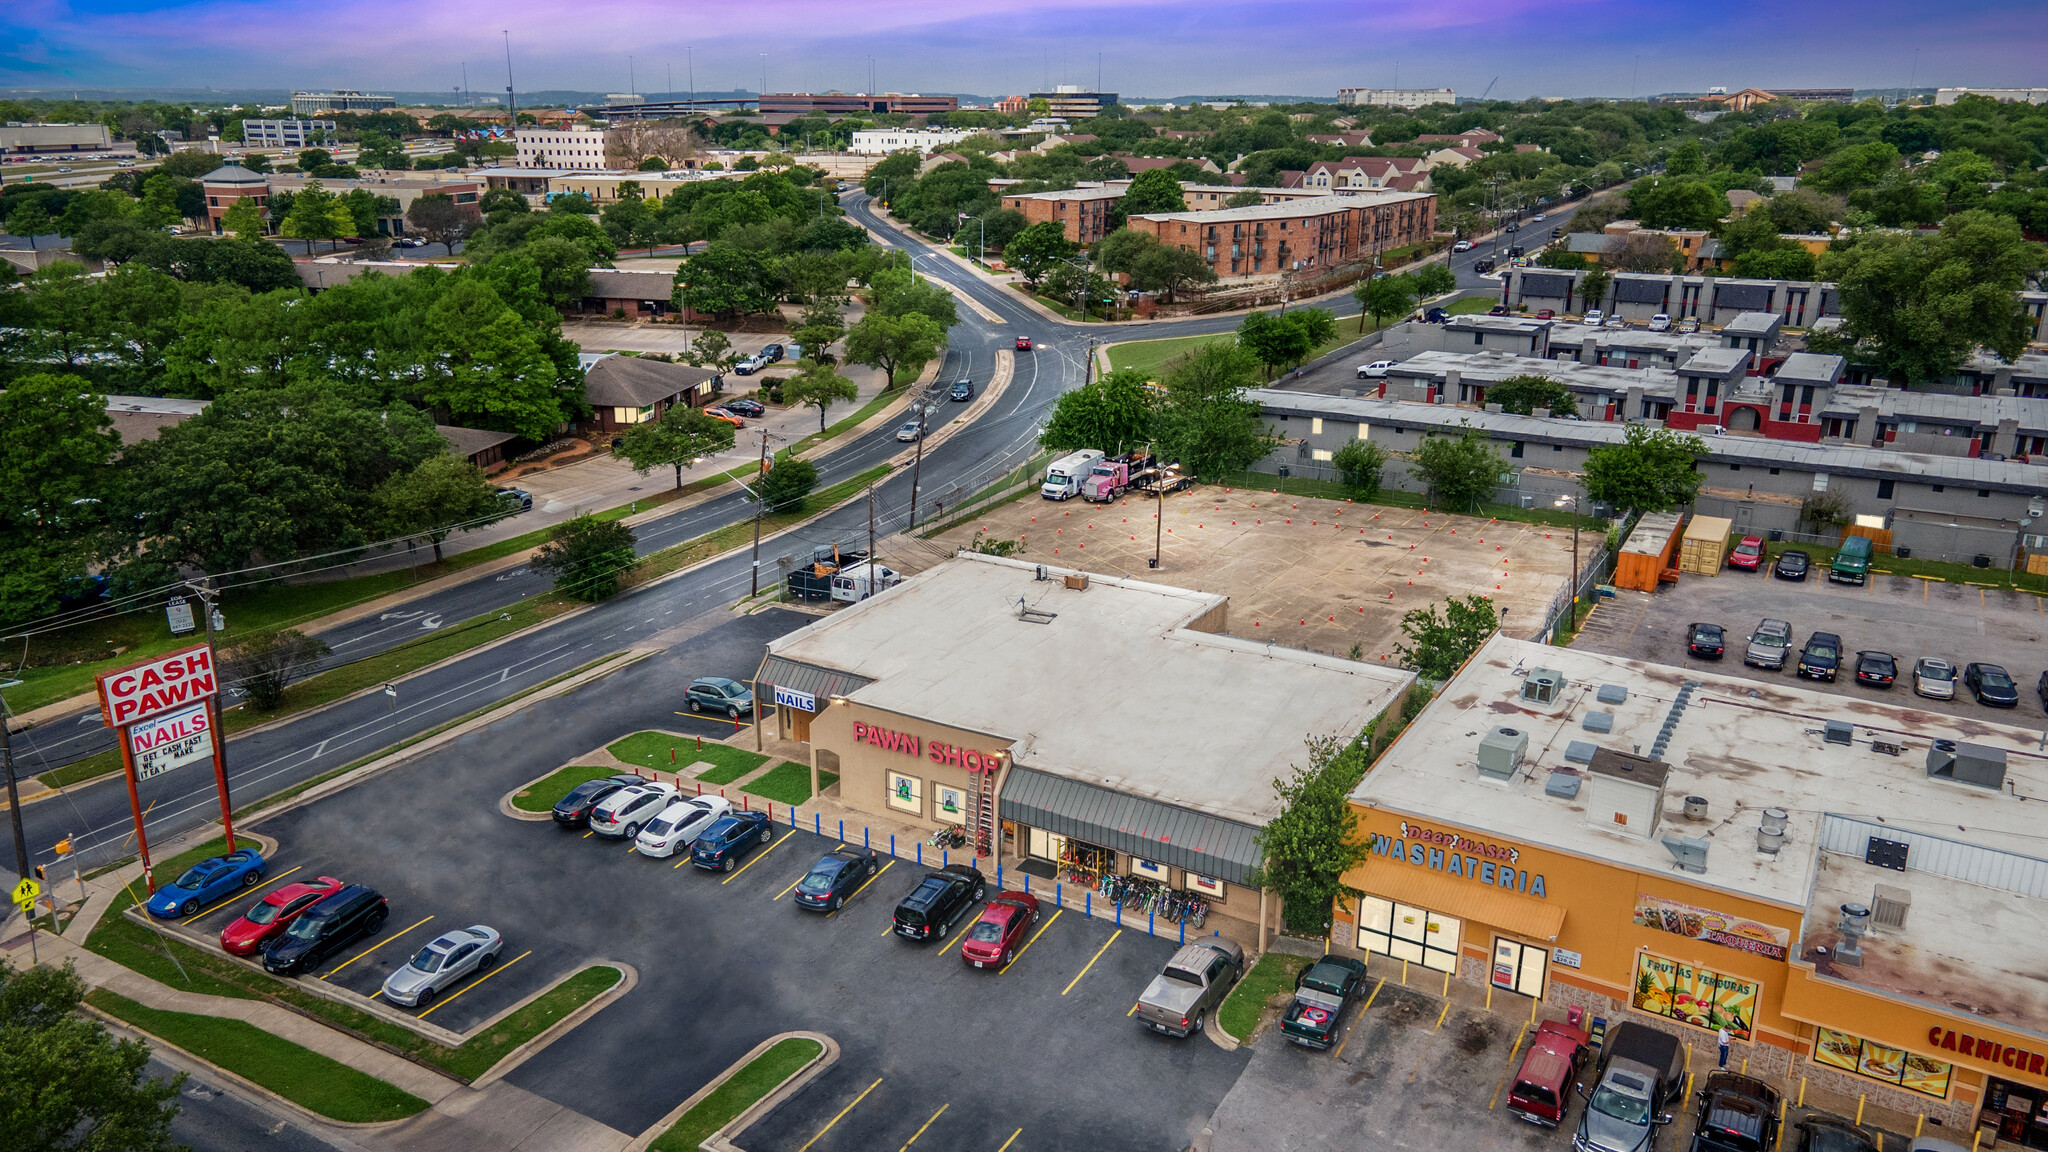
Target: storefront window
{"x": 949, "y": 804}
{"x": 1408, "y": 933}
{"x": 1878, "y": 1062}
{"x": 906, "y": 793}
{"x": 1695, "y": 996}
{"x": 1046, "y": 845}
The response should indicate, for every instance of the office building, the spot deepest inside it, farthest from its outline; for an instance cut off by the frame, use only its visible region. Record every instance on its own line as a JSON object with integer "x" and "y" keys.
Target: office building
{"x": 343, "y": 100}
{"x": 286, "y": 133}
{"x": 1396, "y": 97}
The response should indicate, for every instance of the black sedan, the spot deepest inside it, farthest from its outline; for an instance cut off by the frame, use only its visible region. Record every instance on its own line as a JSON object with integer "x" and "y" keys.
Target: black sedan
{"x": 1876, "y": 669}
{"x": 1994, "y": 689}
{"x": 573, "y": 810}
{"x": 726, "y": 843}
{"x": 836, "y": 876}
{"x": 749, "y": 408}
{"x": 1706, "y": 641}
{"x": 962, "y": 390}
{"x": 1792, "y": 565}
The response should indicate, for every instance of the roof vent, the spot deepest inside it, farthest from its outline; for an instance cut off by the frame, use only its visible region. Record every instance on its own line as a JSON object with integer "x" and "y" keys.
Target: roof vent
{"x": 1671, "y": 718}
{"x": 1854, "y": 923}
{"x": 1689, "y": 851}
{"x": 1598, "y": 722}
{"x": 1770, "y": 835}
{"x": 1838, "y": 732}
{"x": 1612, "y": 694}
{"x": 1695, "y": 807}
{"x": 1543, "y": 686}
{"x": 1563, "y": 784}
{"x": 1888, "y": 907}
{"x": 1501, "y": 751}
{"x": 1966, "y": 763}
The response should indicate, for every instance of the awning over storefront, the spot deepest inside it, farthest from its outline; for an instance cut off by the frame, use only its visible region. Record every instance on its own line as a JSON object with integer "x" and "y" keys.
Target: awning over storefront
{"x": 814, "y": 679}
{"x": 1162, "y": 833}
{"x": 1466, "y": 899}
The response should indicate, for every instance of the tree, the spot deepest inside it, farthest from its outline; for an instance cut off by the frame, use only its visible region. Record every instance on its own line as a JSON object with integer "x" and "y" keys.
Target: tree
{"x": 1643, "y": 252}
{"x": 441, "y": 219}
{"x": 311, "y": 158}
{"x": 244, "y": 219}
{"x": 819, "y": 328}
{"x": 816, "y": 385}
{"x": 505, "y": 200}
{"x": 30, "y": 221}
{"x": 1672, "y": 202}
{"x": 564, "y": 267}
{"x": 1649, "y": 471}
{"x": 1206, "y": 422}
{"x": 56, "y": 442}
{"x": 317, "y": 215}
{"x": 1249, "y": 198}
{"x": 652, "y": 164}
{"x": 712, "y": 349}
{"x": 1442, "y": 643}
{"x": 783, "y": 487}
{"x": 1120, "y": 250}
{"x": 1826, "y": 511}
{"x": 898, "y": 292}
{"x": 1169, "y": 268}
{"x": 1434, "y": 279}
{"x": 1522, "y": 395}
{"x": 1383, "y": 296}
{"x": 587, "y": 556}
{"x": 66, "y": 1083}
{"x": 441, "y": 494}
{"x": 1458, "y": 469}
{"x": 572, "y": 203}
{"x": 724, "y": 280}
{"x": 1359, "y": 465}
{"x": 1038, "y": 250}
{"x": 264, "y": 666}
{"x": 1285, "y": 338}
{"x": 1306, "y": 848}
{"x": 1593, "y": 287}
{"x": 679, "y": 439}
{"x": 894, "y": 344}
{"x": 1114, "y": 413}
{"x": 1153, "y": 191}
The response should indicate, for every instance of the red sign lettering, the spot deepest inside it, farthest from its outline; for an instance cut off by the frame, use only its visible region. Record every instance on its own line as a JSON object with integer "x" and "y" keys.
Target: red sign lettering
{"x": 140, "y": 691}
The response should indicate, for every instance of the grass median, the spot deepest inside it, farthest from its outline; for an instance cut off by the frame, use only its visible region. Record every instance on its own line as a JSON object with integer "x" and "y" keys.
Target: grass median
{"x": 665, "y": 753}
{"x": 741, "y": 1091}
{"x": 543, "y": 796}
{"x": 314, "y": 1082}
{"x": 788, "y": 783}
{"x": 1246, "y": 1004}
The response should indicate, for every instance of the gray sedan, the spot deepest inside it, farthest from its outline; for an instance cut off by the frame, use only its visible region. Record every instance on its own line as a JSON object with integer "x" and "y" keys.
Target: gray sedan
{"x": 452, "y": 956}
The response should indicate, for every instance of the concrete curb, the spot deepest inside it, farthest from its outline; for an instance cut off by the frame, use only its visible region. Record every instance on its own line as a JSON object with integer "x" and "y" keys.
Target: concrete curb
{"x": 629, "y": 978}
{"x": 721, "y": 1140}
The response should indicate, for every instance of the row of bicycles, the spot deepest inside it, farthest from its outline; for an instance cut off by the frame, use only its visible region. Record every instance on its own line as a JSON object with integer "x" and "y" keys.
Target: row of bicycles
{"x": 1136, "y": 893}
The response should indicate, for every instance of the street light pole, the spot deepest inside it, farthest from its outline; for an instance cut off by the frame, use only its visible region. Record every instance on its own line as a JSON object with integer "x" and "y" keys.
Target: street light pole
{"x": 917, "y": 465}
{"x": 1574, "y": 502}
{"x": 760, "y": 508}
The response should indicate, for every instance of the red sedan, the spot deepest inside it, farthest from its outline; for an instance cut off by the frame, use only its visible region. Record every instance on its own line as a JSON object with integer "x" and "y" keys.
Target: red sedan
{"x": 994, "y": 939}
{"x": 1023, "y": 343}
{"x": 1748, "y": 555}
{"x": 246, "y": 935}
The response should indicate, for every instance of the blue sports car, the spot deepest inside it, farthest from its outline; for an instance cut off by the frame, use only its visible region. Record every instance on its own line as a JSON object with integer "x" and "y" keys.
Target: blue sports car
{"x": 208, "y": 881}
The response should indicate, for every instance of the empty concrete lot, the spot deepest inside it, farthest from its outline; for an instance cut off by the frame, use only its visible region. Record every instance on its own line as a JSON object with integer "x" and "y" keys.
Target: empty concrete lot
{"x": 1907, "y": 617}
{"x": 1303, "y": 572}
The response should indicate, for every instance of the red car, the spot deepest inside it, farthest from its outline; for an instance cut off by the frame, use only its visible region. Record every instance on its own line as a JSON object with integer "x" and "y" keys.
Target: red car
{"x": 1545, "y": 314}
{"x": 1023, "y": 343}
{"x": 993, "y": 940}
{"x": 246, "y": 935}
{"x": 1543, "y": 1087}
{"x": 1748, "y": 555}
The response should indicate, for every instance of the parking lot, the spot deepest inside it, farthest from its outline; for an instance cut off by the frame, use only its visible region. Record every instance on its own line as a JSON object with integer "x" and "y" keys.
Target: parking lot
{"x": 726, "y": 960}
{"x": 1907, "y": 617}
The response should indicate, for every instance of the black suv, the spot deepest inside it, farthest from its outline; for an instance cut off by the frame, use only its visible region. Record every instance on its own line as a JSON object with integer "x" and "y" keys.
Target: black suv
{"x": 939, "y": 900}
{"x": 573, "y": 810}
{"x": 1821, "y": 658}
{"x": 726, "y": 843}
{"x": 1737, "y": 1113}
{"x": 836, "y": 876}
{"x": 324, "y": 929}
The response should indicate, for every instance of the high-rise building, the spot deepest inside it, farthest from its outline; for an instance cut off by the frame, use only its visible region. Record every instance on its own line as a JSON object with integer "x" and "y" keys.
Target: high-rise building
{"x": 1067, "y": 100}
{"x": 1396, "y": 97}
{"x": 341, "y": 100}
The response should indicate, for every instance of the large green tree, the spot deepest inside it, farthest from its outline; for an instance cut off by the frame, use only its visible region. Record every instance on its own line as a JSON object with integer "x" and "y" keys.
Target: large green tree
{"x": 900, "y": 292}
{"x": 441, "y": 495}
{"x": 1651, "y": 470}
{"x": 895, "y": 344}
{"x": 724, "y": 280}
{"x": 1115, "y": 414}
{"x": 1306, "y": 849}
{"x": 1384, "y": 296}
{"x": 679, "y": 439}
{"x": 1279, "y": 339}
{"x": 1206, "y": 421}
{"x": 816, "y": 385}
{"x": 1038, "y": 249}
{"x": 587, "y": 557}
{"x": 65, "y": 1083}
{"x": 787, "y": 483}
{"x": 1154, "y": 191}
{"x": 56, "y": 443}
{"x": 1459, "y": 470}
{"x": 488, "y": 367}
{"x": 1522, "y": 395}
{"x": 317, "y": 214}
{"x": 1438, "y": 644}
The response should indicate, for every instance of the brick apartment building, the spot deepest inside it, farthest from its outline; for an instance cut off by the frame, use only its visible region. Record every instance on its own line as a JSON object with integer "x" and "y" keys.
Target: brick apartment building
{"x": 1086, "y": 214}
{"x": 1317, "y": 232}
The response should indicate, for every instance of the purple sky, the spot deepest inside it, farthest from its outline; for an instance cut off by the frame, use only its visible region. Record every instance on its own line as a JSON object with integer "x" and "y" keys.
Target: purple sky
{"x": 1147, "y": 47}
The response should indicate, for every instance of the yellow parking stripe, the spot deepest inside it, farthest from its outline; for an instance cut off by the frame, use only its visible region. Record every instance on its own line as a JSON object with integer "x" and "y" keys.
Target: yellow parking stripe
{"x": 862, "y": 888}
{"x": 842, "y": 1112}
{"x": 1013, "y": 1137}
{"x": 792, "y": 884}
{"x": 1020, "y": 955}
{"x": 239, "y": 893}
{"x": 589, "y": 834}
{"x": 757, "y": 858}
{"x": 1091, "y": 961}
{"x": 374, "y": 947}
{"x": 921, "y": 1128}
{"x": 477, "y": 981}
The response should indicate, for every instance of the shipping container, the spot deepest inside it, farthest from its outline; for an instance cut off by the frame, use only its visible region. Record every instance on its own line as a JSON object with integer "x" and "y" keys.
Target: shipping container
{"x": 1705, "y": 546}
{"x": 1650, "y": 551}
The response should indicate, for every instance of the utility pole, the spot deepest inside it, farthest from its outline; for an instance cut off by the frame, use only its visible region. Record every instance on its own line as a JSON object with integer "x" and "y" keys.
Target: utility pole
{"x": 760, "y": 509}
{"x": 691, "y": 59}
{"x": 871, "y": 531}
{"x": 13, "y": 798}
{"x": 924, "y": 408}
{"x": 1158, "y": 504}
{"x": 204, "y": 589}
{"x": 511, "y": 97}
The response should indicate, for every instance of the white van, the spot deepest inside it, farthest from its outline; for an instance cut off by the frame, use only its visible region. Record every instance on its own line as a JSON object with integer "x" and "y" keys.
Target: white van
{"x": 859, "y": 581}
{"x": 1064, "y": 476}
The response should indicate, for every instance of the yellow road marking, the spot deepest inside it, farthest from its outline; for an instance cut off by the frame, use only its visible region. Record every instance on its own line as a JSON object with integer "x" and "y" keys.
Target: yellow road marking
{"x": 1132, "y": 1012}
{"x": 862, "y": 888}
{"x": 1020, "y": 955}
{"x": 1091, "y": 962}
{"x": 1440, "y": 1016}
{"x": 1011, "y": 1140}
{"x": 239, "y": 893}
{"x": 477, "y": 981}
{"x": 757, "y": 858}
{"x": 842, "y": 1114}
{"x": 589, "y": 834}
{"x": 632, "y": 848}
{"x": 374, "y": 947}
{"x": 792, "y": 884}
{"x": 921, "y": 1128}
{"x": 890, "y": 928}
{"x": 1510, "y": 1069}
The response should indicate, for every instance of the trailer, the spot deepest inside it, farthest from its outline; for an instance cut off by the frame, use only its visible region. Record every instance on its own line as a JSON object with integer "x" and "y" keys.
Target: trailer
{"x": 1705, "y": 545}
{"x": 812, "y": 582}
{"x": 1158, "y": 480}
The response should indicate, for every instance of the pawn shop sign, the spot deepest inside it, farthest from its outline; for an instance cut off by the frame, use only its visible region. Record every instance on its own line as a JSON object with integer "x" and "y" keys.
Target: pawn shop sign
{"x": 167, "y": 711}
{"x": 153, "y": 687}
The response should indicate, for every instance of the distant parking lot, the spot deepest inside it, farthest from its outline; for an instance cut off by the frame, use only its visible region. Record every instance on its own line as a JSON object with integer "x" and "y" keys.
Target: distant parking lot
{"x": 1907, "y": 617}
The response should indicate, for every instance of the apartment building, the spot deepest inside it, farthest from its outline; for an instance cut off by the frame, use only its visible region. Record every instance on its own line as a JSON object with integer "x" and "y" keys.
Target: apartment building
{"x": 1085, "y": 214}
{"x": 1361, "y": 172}
{"x": 576, "y": 146}
{"x": 1296, "y": 235}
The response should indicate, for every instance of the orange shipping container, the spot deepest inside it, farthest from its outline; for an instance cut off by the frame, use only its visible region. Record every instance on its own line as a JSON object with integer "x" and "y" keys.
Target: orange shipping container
{"x": 1650, "y": 549}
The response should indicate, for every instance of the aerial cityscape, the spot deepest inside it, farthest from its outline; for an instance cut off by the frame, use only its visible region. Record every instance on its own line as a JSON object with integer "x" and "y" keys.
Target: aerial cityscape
{"x": 1270, "y": 578}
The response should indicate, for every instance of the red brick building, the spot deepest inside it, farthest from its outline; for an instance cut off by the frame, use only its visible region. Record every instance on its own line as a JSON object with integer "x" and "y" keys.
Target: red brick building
{"x": 1086, "y": 214}
{"x": 229, "y": 184}
{"x": 1294, "y": 235}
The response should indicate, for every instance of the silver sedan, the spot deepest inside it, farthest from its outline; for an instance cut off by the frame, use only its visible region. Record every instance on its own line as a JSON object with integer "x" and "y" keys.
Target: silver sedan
{"x": 1934, "y": 678}
{"x": 452, "y": 956}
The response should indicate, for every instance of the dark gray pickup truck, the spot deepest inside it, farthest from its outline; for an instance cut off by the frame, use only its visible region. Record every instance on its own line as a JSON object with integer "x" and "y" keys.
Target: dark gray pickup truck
{"x": 1180, "y": 998}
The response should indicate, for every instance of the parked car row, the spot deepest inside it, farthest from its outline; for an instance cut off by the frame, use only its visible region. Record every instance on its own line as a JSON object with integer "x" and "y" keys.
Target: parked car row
{"x": 1821, "y": 658}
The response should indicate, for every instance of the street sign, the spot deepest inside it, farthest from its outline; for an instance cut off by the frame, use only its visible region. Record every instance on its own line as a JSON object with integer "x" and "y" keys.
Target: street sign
{"x": 171, "y": 741}
{"x": 179, "y": 611}
{"x": 26, "y": 892}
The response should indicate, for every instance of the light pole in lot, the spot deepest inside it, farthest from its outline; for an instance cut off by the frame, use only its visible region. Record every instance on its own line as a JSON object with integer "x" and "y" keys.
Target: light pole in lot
{"x": 1560, "y": 502}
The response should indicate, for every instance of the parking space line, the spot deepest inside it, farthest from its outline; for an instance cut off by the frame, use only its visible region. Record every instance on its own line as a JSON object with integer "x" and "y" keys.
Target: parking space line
{"x": 890, "y": 927}
{"x": 922, "y": 1127}
{"x": 1367, "y": 1006}
{"x": 1132, "y": 1012}
{"x": 757, "y": 858}
{"x": 1091, "y": 962}
{"x": 589, "y": 834}
{"x": 477, "y": 981}
{"x": 859, "y": 890}
{"x": 373, "y": 948}
{"x": 1011, "y": 1140}
{"x": 1026, "y": 948}
{"x": 1520, "y": 1034}
{"x": 239, "y": 893}
{"x": 792, "y": 884}
{"x": 842, "y": 1115}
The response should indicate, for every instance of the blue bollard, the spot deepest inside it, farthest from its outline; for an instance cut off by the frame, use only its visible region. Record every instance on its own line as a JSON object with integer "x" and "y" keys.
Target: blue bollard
{"x": 1059, "y": 894}
{"x": 999, "y": 876}
{"x": 1183, "y": 932}
{"x": 842, "y": 831}
{"x": 1088, "y": 905}
{"x": 792, "y": 818}
{"x": 864, "y": 837}
{"x": 818, "y": 823}
{"x": 1027, "y": 883}
{"x": 892, "y": 845}
{"x": 945, "y": 857}
{"x": 1119, "y": 913}
{"x": 920, "y": 853}
{"x": 1148, "y": 923}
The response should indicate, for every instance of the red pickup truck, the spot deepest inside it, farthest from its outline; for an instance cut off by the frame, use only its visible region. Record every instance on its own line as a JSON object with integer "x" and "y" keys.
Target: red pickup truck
{"x": 1543, "y": 1086}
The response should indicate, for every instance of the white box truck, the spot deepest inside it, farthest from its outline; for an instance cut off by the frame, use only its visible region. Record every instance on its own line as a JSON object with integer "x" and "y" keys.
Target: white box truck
{"x": 1064, "y": 476}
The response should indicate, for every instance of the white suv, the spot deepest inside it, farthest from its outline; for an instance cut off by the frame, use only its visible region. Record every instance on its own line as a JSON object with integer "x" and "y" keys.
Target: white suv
{"x": 625, "y": 812}
{"x": 1660, "y": 323}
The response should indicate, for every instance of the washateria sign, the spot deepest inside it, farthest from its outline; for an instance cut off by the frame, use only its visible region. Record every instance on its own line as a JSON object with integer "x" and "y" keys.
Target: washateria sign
{"x": 153, "y": 687}
{"x": 1456, "y": 854}
{"x": 172, "y": 740}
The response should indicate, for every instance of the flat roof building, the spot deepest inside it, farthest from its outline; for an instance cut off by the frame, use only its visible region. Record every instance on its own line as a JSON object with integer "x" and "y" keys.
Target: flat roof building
{"x": 565, "y": 147}
{"x": 1318, "y": 232}
{"x": 20, "y": 139}
{"x": 1396, "y": 97}
{"x": 292, "y": 133}
{"x": 1069, "y": 101}
{"x": 923, "y": 141}
{"x": 340, "y": 100}
{"x": 857, "y": 103}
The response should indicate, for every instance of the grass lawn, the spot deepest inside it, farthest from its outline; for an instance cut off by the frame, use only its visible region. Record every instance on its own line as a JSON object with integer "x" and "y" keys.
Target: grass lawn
{"x": 545, "y": 795}
{"x": 1152, "y": 356}
{"x": 1472, "y": 305}
{"x": 762, "y": 1075}
{"x": 666, "y": 753}
{"x": 1240, "y": 1012}
{"x": 788, "y": 782}
{"x": 301, "y": 1075}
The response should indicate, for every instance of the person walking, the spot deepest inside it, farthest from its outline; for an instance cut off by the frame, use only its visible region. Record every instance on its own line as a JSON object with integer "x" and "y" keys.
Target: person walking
{"x": 1724, "y": 1045}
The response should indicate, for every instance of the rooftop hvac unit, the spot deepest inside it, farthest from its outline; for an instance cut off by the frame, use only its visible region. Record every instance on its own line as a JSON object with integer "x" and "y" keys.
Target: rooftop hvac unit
{"x": 1854, "y": 923}
{"x": 1543, "y": 686}
{"x": 1888, "y": 907}
{"x": 1838, "y": 732}
{"x": 1966, "y": 763}
{"x": 1689, "y": 851}
{"x": 1501, "y": 751}
{"x": 1770, "y": 834}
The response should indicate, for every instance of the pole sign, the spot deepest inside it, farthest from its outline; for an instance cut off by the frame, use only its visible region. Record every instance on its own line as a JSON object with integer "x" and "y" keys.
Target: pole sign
{"x": 167, "y": 710}
{"x": 179, "y": 612}
{"x": 151, "y": 688}
{"x": 172, "y": 740}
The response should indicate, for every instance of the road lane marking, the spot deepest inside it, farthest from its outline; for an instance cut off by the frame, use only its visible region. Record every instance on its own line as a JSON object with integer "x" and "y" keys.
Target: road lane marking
{"x": 373, "y": 948}
{"x": 862, "y": 888}
{"x": 477, "y": 981}
{"x": 1026, "y": 948}
{"x": 757, "y": 858}
{"x": 842, "y": 1114}
{"x": 1011, "y": 1140}
{"x": 1091, "y": 962}
{"x": 922, "y": 1127}
{"x": 239, "y": 893}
